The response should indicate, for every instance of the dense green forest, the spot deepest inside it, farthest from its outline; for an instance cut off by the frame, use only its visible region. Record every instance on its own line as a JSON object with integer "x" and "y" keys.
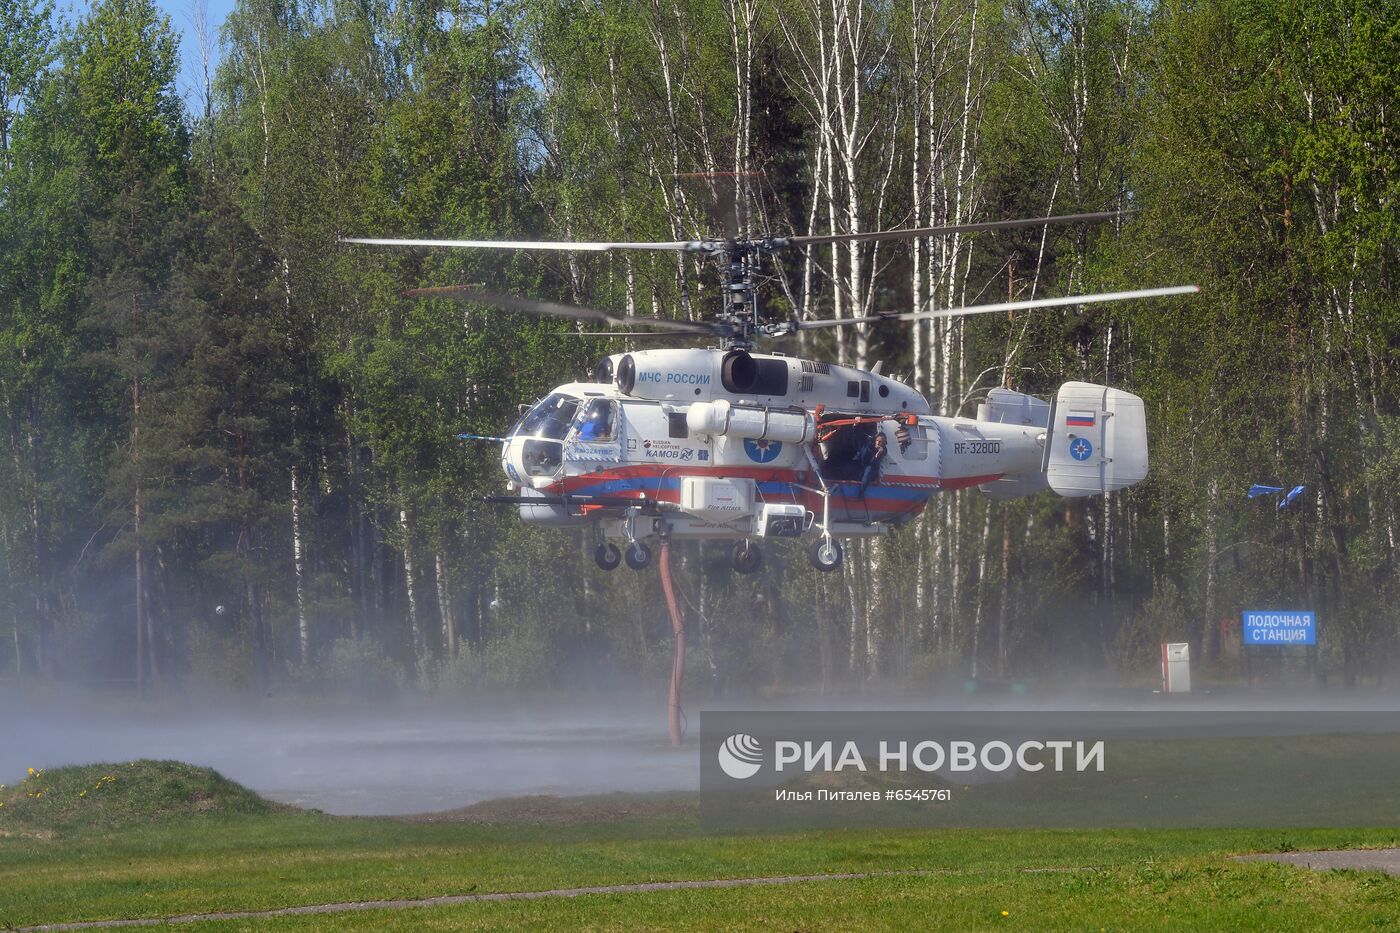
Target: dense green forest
{"x": 229, "y": 449}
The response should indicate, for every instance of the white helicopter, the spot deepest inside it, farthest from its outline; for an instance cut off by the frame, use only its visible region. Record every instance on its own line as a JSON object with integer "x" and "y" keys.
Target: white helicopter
{"x": 728, "y": 443}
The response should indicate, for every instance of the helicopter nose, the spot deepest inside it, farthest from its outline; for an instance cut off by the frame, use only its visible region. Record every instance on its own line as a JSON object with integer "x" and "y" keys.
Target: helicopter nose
{"x": 510, "y": 460}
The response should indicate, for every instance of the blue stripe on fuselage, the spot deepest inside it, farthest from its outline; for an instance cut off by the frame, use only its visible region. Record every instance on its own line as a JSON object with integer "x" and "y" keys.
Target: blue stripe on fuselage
{"x": 655, "y": 484}
{"x": 611, "y": 487}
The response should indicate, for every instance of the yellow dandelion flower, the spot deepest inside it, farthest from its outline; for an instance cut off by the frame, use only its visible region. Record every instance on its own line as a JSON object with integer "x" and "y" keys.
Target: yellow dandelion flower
{"x": 1006, "y": 913}
{"x": 82, "y": 793}
{"x": 32, "y": 772}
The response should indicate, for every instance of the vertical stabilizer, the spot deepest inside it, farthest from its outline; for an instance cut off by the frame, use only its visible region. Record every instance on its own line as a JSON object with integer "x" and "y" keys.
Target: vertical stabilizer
{"x": 1096, "y": 441}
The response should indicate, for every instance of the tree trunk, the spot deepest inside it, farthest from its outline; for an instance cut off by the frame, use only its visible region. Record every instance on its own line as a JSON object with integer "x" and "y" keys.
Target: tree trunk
{"x": 10, "y": 594}
{"x": 1004, "y": 607}
{"x": 43, "y": 617}
{"x": 299, "y": 572}
{"x": 981, "y": 593}
{"x": 1210, "y": 638}
{"x": 136, "y": 531}
{"x": 916, "y": 186}
{"x": 873, "y": 610}
{"x": 449, "y": 625}
{"x": 408, "y": 583}
{"x": 856, "y": 653}
{"x": 823, "y": 631}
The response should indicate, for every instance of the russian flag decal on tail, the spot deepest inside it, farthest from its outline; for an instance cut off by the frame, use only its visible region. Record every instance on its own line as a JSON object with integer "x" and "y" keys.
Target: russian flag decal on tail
{"x": 1079, "y": 419}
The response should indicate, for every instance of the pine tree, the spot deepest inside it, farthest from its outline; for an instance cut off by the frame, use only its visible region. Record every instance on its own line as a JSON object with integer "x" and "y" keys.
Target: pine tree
{"x": 133, "y": 150}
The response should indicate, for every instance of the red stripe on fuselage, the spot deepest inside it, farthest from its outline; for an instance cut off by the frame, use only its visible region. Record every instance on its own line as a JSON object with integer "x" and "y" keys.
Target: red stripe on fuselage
{"x": 873, "y": 507}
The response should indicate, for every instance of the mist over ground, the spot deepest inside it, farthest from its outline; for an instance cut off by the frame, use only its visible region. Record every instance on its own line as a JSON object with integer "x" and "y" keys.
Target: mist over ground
{"x": 400, "y": 756}
{"x": 415, "y": 755}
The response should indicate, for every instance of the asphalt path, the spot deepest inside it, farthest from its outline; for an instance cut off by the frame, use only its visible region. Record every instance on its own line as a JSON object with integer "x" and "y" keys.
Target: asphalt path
{"x": 1383, "y": 860}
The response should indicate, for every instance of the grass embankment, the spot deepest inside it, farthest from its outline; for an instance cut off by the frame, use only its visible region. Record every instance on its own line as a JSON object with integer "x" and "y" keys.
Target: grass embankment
{"x": 160, "y": 838}
{"x": 116, "y": 796}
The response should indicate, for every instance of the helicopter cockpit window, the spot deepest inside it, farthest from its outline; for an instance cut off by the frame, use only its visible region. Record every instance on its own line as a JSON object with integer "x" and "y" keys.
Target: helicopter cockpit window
{"x": 542, "y": 457}
{"x": 546, "y": 424}
{"x": 549, "y": 418}
{"x": 916, "y": 446}
{"x": 597, "y": 423}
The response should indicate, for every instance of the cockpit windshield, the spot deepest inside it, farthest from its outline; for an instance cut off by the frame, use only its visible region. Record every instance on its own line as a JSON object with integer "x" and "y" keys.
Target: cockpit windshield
{"x": 549, "y": 418}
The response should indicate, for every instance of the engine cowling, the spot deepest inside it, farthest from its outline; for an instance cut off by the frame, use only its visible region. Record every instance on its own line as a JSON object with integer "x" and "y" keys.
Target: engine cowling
{"x": 723, "y": 419}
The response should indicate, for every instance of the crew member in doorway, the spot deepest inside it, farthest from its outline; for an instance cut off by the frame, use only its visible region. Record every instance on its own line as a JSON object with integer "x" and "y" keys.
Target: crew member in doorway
{"x": 871, "y": 454}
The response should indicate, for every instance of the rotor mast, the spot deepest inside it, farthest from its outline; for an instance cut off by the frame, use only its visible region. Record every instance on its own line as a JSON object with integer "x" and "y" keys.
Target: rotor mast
{"x": 741, "y": 298}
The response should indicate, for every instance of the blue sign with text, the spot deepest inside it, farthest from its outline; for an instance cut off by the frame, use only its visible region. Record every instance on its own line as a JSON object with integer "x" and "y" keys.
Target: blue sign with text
{"x": 1279, "y": 627}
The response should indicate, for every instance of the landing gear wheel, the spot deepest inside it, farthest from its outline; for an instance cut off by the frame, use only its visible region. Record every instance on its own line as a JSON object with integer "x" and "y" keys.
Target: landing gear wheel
{"x": 746, "y": 557}
{"x": 607, "y": 556}
{"x": 637, "y": 555}
{"x": 826, "y": 555}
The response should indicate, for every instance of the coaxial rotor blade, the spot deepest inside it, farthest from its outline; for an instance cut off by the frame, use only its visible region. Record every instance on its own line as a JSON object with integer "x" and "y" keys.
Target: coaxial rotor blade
{"x": 714, "y": 246}
{"x": 1064, "y": 301}
{"x": 681, "y": 246}
{"x": 655, "y": 335}
{"x": 913, "y": 232}
{"x": 555, "y": 309}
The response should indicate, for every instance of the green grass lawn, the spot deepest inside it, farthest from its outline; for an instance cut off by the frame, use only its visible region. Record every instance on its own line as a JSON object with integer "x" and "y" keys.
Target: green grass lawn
{"x": 161, "y": 839}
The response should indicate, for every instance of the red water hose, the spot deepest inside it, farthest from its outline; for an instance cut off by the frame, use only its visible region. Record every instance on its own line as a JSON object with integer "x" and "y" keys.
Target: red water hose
{"x": 677, "y": 626}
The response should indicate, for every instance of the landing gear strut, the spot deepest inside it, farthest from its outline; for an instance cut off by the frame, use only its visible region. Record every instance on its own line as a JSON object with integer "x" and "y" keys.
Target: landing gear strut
{"x": 746, "y": 557}
{"x": 825, "y": 554}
